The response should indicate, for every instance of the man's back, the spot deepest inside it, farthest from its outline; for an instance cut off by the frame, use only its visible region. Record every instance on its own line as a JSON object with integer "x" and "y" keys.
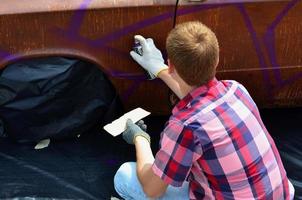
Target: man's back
{"x": 234, "y": 156}
{"x": 215, "y": 137}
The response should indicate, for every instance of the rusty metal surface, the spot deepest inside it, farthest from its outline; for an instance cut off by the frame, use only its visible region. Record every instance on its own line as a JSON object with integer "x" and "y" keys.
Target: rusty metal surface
{"x": 260, "y": 42}
{"x": 33, "y": 6}
{"x": 259, "y": 47}
{"x": 102, "y": 36}
{"x": 196, "y": 2}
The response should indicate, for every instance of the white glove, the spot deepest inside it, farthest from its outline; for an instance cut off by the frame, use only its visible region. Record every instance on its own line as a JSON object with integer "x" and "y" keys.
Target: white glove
{"x": 152, "y": 59}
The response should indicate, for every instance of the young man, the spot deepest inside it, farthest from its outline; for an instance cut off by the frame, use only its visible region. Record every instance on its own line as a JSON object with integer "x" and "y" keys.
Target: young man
{"x": 215, "y": 145}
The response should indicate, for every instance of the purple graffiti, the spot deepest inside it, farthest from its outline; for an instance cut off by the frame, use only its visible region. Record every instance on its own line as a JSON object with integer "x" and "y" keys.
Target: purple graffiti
{"x": 78, "y": 17}
{"x": 4, "y": 55}
{"x": 269, "y": 41}
{"x": 124, "y": 75}
{"x": 256, "y": 44}
{"x": 148, "y": 22}
{"x": 137, "y": 83}
{"x": 72, "y": 34}
{"x": 7, "y": 57}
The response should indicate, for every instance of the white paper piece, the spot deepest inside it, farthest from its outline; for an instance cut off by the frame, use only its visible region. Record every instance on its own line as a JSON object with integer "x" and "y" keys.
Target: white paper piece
{"x": 119, "y": 125}
{"x": 42, "y": 144}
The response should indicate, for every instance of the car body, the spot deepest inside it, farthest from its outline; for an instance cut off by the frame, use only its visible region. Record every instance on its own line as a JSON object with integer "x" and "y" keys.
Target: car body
{"x": 260, "y": 41}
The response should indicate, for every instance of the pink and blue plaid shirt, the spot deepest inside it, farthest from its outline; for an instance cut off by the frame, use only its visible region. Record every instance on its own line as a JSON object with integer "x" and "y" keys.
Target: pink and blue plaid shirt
{"x": 216, "y": 141}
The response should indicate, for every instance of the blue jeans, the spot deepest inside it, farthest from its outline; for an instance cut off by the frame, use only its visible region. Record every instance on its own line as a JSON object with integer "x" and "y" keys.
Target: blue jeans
{"x": 128, "y": 186}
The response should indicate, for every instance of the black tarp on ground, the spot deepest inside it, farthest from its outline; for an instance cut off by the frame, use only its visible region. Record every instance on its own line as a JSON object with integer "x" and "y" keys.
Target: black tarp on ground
{"x": 53, "y": 98}
{"x": 56, "y": 98}
{"x": 80, "y": 168}
{"x": 83, "y": 168}
{"x": 89, "y": 163}
{"x": 285, "y": 125}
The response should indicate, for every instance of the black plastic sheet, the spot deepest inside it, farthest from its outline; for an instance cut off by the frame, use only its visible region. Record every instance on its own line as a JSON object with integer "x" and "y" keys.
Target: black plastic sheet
{"x": 78, "y": 168}
{"x": 83, "y": 168}
{"x": 53, "y": 98}
{"x": 285, "y": 126}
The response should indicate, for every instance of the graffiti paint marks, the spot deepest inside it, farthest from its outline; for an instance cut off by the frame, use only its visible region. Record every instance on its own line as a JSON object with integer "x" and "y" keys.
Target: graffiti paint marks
{"x": 71, "y": 34}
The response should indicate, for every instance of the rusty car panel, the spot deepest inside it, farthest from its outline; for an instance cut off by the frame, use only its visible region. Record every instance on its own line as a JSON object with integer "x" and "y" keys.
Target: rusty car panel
{"x": 259, "y": 42}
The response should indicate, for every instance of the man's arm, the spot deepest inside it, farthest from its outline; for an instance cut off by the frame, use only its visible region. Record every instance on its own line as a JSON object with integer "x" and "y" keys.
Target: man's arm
{"x": 152, "y": 185}
{"x": 165, "y": 76}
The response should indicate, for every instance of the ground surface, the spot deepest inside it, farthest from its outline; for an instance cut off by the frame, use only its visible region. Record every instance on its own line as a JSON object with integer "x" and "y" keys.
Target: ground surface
{"x": 83, "y": 168}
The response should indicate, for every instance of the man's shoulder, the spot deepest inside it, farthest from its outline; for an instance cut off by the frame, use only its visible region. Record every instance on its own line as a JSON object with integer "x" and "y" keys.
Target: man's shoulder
{"x": 176, "y": 126}
{"x": 200, "y": 109}
{"x": 235, "y": 84}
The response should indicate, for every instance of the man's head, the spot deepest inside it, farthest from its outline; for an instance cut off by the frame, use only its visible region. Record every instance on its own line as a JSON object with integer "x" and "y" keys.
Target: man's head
{"x": 194, "y": 51}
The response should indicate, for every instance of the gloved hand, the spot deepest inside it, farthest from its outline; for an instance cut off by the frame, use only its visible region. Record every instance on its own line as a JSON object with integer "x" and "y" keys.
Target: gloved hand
{"x": 133, "y": 130}
{"x": 152, "y": 59}
{"x": 142, "y": 125}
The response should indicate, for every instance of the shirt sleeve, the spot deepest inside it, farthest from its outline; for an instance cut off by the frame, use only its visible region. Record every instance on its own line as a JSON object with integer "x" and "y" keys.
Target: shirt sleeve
{"x": 175, "y": 158}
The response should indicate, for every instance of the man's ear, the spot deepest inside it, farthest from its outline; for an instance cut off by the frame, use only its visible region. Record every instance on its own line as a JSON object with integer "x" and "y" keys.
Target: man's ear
{"x": 171, "y": 67}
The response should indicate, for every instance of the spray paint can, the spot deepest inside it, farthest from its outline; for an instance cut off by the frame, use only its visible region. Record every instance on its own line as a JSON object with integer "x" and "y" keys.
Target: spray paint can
{"x": 139, "y": 50}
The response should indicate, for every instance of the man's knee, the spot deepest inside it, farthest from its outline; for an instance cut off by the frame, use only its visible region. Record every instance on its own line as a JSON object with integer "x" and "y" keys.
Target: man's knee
{"x": 124, "y": 175}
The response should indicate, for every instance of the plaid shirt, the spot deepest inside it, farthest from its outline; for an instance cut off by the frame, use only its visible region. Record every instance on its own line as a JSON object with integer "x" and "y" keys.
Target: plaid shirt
{"x": 216, "y": 140}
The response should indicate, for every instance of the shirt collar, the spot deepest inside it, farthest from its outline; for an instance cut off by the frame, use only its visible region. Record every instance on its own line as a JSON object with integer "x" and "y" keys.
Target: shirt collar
{"x": 183, "y": 103}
